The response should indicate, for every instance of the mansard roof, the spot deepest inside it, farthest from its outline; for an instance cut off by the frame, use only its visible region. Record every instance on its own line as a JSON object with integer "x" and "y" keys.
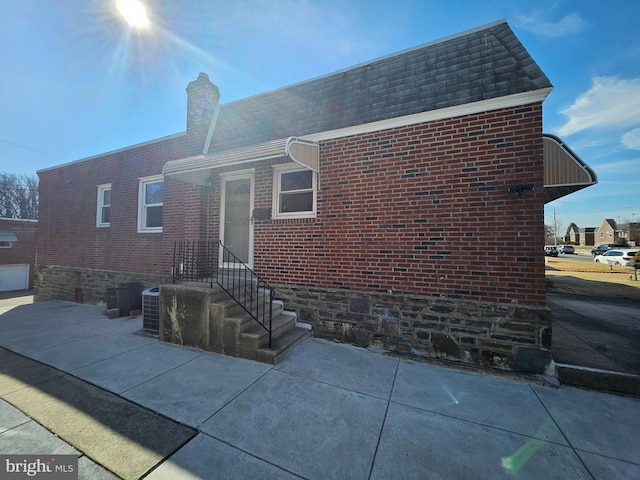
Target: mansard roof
{"x": 481, "y": 64}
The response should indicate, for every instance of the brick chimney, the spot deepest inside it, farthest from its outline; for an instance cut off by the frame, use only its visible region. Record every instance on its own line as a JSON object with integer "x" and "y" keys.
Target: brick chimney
{"x": 202, "y": 100}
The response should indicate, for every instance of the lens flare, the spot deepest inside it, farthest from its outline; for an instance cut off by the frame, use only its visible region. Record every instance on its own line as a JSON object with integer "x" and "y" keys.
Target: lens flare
{"x": 134, "y": 13}
{"x": 514, "y": 463}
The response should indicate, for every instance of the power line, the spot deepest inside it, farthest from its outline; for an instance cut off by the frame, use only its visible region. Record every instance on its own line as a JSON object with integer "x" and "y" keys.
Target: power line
{"x": 28, "y": 148}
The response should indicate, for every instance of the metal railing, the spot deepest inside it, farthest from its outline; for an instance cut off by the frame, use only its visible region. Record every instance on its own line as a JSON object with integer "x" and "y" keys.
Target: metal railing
{"x": 195, "y": 261}
{"x": 198, "y": 260}
{"x": 247, "y": 288}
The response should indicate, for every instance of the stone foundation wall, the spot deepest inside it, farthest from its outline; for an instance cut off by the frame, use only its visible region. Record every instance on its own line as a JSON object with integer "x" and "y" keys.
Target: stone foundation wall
{"x": 83, "y": 285}
{"x": 503, "y": 336}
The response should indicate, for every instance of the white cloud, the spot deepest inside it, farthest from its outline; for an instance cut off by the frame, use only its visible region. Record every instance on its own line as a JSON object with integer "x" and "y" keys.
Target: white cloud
{"x": 632, "y": 139}
{"x": 622, "y": 166}
{"x": 567, "y": 25}
{"x": 610, "y": 102}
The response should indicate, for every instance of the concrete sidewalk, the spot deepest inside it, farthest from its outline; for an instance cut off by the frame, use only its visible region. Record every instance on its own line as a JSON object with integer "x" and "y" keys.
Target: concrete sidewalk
{"x": 328, "y": 411}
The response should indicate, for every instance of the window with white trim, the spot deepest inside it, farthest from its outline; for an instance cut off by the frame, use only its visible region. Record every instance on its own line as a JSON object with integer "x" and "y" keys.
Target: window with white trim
{"x": 150, "y": 203}
{"x": 6, "y": 244}
{"x": 103, "y": 211}
{"x": 294, "y": 191}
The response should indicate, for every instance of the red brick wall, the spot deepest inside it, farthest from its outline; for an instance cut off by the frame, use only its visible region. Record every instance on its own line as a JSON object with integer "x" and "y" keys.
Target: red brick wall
{"x": 422, "y": 209}
{"x": 68, "y": 235}
{"x": 23, "y": 250}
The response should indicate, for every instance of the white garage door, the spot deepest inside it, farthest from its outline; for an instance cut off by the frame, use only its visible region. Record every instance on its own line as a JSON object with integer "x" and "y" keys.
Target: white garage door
{"x": 14, "y": 277}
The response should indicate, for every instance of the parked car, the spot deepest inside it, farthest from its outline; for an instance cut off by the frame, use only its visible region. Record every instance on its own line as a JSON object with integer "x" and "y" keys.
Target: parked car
{"x": 566, "y": 249}
{"x": 604, "y": 247}
{"x": 618, "y": 256}
{"x": 550, "y": 251}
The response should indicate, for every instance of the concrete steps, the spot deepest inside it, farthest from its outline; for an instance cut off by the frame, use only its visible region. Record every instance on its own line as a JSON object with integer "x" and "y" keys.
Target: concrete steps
{"x": 208, "y": 318}
{"x": 283, "y": 345}
{"x": 244, "y": 337}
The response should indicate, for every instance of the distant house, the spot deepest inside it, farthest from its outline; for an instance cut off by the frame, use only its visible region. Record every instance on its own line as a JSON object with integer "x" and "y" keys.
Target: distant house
{"x": 588, "y": 236}
{"x": 573, "y": 234}
{"x": 378, "y": 201}
{"x": 630, "y": 232}
{"x": 608, "y": 232}
{"x": 17, "y": 253}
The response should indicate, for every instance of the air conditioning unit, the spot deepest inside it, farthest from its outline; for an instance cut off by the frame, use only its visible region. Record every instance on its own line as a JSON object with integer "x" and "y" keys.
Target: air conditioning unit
{"x": 150, "y": 310}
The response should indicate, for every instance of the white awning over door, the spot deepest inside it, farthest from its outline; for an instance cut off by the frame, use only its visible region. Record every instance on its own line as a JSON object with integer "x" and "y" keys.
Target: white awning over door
{"x": 196, "y": 169}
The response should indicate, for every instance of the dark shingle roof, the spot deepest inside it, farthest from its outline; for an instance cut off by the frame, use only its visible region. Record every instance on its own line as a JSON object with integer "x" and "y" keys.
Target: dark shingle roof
{"x": 481, "y": 64}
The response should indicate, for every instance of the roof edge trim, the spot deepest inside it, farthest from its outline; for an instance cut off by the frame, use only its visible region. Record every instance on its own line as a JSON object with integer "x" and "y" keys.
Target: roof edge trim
{"x": 513, "y": 100}
{"x": 18, "y": 219}
{"x": 112, "y": 152}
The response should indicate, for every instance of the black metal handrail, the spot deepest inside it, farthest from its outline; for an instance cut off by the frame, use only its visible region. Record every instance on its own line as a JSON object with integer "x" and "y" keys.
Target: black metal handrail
{"x": 247, "y": 288}
{"x": 195, "y": 261}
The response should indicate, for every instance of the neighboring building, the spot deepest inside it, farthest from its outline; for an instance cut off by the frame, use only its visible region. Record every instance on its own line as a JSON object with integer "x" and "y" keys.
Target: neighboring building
{"x": 380, "y": 201}
{"x": 608, "y": 232}
{"x": 573, "y": 234}
{"x": 630, "y": 232}
{"x": 17, "y": 253}
{"x": 588, "y": 236}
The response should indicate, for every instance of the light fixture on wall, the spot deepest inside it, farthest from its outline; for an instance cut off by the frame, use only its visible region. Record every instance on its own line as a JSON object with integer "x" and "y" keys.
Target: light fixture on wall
{"x": 211, "y": 184}
{"x": 520, "y": 188}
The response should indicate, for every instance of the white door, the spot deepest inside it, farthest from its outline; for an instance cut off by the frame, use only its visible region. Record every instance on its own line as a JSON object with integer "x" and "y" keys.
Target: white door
{"x": 236, "y": 226}
{"x": 14, "y": 277}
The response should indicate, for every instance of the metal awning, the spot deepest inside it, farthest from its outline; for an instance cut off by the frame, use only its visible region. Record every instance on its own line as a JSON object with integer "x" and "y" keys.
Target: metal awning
{"x": 7, "y": 237}
{"x": 196, "y": 169}
{"x": 564, "y": 171}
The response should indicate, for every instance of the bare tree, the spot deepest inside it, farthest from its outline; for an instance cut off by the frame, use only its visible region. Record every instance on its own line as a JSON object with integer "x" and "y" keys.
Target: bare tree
{"x": 549, "y": 235}
{"x": 18, "y": 196}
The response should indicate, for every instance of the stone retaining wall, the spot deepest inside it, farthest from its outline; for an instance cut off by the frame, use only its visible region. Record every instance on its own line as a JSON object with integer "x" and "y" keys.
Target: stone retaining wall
{"x": 83, "y": 285}
{"x": 504, "y": 336}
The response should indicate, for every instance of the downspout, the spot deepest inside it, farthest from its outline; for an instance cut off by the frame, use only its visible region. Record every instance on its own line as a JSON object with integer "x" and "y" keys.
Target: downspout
{"x": 205, "y": 151}
{"x": 212, "y": 127}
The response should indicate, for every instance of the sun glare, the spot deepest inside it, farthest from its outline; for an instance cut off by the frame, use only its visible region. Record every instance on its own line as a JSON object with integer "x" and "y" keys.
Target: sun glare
{"x": 134, "y": 13}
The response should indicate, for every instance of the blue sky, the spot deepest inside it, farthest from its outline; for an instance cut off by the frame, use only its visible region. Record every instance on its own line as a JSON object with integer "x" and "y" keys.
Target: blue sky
{"x": 77, "y": 80}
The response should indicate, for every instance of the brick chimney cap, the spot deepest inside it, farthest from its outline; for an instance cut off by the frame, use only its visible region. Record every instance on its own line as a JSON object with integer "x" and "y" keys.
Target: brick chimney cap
{"x": 203, "y": 81}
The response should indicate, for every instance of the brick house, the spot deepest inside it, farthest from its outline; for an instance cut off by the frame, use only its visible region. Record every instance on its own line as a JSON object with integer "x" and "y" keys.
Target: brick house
{"x": 17, "y": 253}
{"x": 379, "y": 201}
{"x": 608, "y": 232}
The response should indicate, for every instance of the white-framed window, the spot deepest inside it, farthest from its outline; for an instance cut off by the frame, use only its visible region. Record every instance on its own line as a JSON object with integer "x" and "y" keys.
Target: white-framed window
{"x": 150, "y": 201}
{"x": 294, "y": 191}
{"x": 103, "y": 211}
{"x": 4, "y": 244}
